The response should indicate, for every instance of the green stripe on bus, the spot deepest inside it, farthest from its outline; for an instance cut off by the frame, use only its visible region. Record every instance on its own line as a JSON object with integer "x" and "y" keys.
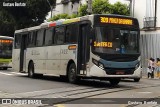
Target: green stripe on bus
{"x": 5, "y": 60}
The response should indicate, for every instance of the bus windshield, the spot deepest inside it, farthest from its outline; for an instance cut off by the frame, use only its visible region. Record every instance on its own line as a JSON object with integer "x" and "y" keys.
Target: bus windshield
{"x": 116, "y": 40}
{"x": 5, "y": 48}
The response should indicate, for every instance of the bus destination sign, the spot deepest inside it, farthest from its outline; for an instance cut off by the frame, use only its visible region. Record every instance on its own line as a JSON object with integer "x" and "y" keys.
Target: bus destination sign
{"x": 114, "y": 20}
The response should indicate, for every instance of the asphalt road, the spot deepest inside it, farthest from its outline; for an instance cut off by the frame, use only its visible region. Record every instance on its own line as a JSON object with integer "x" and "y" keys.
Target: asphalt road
{"x": 17, "y": 85}
{"x": 14, "y": 82}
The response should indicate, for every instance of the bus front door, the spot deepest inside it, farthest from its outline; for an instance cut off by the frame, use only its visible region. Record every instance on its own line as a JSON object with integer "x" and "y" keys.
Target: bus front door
{"x": 83, "y": 47}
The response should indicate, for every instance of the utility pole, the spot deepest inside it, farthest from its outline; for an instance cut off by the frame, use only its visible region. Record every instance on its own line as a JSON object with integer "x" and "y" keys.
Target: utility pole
{"x": 131, "y": 7}
{"x": 155, "y": 17}
{"x": 89, "y": 7}
{"x": 50, "y": 7}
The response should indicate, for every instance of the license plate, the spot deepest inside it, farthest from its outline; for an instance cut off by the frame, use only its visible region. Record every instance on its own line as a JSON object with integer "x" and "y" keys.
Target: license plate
{"x": 120, "y": 72}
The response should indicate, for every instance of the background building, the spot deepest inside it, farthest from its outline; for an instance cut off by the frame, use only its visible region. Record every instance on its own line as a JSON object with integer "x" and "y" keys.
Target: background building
{"x": 66, "y": 6}
{"x": 149, "y": 18}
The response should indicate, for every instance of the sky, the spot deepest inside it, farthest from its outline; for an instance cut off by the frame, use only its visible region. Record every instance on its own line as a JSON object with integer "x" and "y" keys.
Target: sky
{"x": 122, "y": 1}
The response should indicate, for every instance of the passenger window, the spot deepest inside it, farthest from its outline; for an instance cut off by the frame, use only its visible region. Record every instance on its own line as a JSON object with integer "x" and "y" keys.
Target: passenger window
{"x": 40, "y": 37}
{"x": 17, "y": 42}
{"x": 71, "y": 35}
{"x": 59, "y": 35}
{"x": 31, "y": 39}
{"x": 49, "y": 36}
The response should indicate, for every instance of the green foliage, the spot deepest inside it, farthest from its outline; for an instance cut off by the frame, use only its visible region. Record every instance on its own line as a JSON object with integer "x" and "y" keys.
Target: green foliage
{"x": 32, "y": 14}
{"x": 74, "y": 15}
{"x": 62, "y": 16}
{"x": 6, "y": 24}
{"x": 100, "y": 6}
{"x": 119, "y": 8}
{"x": 59, "y": 16}
{"x": 83, "y": 10}
{"x": 104, "y": 7}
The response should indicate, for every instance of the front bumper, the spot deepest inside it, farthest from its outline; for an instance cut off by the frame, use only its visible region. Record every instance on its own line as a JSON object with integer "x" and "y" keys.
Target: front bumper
{"x": 95, "y": 71}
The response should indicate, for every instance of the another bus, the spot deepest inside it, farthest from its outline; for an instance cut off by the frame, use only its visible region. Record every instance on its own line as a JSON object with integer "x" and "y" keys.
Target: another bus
{"x": 5, "y": 52}
{"x": 93, "y": 46}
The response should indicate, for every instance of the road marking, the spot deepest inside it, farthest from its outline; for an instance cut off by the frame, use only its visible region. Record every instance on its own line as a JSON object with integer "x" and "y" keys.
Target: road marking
{"x": 18, "y": 73}
{"x": 5, "y": 73}
{"x": 59, "y": 105}
{"x": 145, "y": 92}
{"x": 12, "y": 73}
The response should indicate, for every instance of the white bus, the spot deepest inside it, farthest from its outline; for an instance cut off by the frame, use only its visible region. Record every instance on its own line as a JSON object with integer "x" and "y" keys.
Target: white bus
{"x": 5, "y": 52}
{"x": 93, "y": 46}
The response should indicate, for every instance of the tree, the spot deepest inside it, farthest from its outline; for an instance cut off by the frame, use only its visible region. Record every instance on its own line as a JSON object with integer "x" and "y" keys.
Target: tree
{"x": 6, "y": 24}
{"x": 104, "y": 7}
{"x": 32, "y": 14}
{"x": 101, "y": 6}
{"x": 119, "y": 8}
{"x": 83, "y": 10}
{"x": 62, "y": 16}
{"x": 59, "y": 16}
{"x": 98, "y": 7}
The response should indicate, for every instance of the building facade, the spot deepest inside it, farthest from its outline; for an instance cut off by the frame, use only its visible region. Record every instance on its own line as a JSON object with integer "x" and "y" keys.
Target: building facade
{"x": 147, "y": 12}
{"x": 68, "y": 7}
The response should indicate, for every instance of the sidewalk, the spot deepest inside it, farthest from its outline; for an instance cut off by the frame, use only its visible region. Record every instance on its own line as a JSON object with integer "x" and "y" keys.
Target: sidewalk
{"x": 145, "y": 77}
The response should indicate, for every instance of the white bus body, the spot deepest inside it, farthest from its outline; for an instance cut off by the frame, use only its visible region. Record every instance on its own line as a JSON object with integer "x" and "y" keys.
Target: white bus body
{"x": 77, "y": 58}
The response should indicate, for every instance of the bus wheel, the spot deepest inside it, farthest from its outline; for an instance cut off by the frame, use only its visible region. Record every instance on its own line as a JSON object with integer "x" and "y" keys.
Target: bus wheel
{"x": 5, "y": 68}
{"x": 114, "y": 81}
{"x": 31, "y": 70}
{"x": 72, "y": 78}
{"x": 136, "y": 79}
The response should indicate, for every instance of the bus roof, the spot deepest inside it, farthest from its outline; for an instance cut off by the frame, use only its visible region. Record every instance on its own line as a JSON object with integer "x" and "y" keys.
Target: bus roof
{"x": 66, "y": 21}
{"x": 54, "y": 23}
{"x": 5, "y": 37}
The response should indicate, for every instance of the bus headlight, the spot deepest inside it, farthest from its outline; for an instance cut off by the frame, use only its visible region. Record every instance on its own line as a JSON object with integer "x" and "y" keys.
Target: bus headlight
{"x": 99, "y": 64}
{"x": 95, "y": 61}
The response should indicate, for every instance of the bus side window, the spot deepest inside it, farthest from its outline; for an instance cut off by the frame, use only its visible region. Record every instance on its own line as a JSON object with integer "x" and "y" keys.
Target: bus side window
{"x": 31, "y": 39}
{"x": 40, "y": 37}
{"x": 59, "y": 36}
{"x": 49, "y": 36}
{"x": 71, "y": 36}
{"x": 17, "y": 41}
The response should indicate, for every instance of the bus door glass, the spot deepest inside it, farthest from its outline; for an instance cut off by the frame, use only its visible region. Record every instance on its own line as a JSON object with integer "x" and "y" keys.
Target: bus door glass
{"x": 83, "y": 46}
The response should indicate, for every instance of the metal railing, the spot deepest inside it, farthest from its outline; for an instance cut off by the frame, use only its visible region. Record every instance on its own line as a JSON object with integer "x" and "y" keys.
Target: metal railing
{"x": 149, "y": 22}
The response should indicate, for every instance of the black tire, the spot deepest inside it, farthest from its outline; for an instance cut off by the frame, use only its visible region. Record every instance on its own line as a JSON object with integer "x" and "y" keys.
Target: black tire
{"x": 72, "y": 78}
{"x": 5, "y": 68}
{"x": 63, "y": 78}
{"x": 31, "y": 70}
{"x": 136, "y": 79}
{"x": 114, "y": 82}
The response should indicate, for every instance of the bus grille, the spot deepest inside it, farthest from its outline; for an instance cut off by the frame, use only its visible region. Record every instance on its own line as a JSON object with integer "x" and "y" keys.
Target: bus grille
{"x": 119, "y": 71}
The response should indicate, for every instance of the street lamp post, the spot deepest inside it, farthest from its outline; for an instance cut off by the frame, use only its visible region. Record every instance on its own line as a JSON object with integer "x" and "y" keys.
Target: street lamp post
{"x": 50, "y": 7}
